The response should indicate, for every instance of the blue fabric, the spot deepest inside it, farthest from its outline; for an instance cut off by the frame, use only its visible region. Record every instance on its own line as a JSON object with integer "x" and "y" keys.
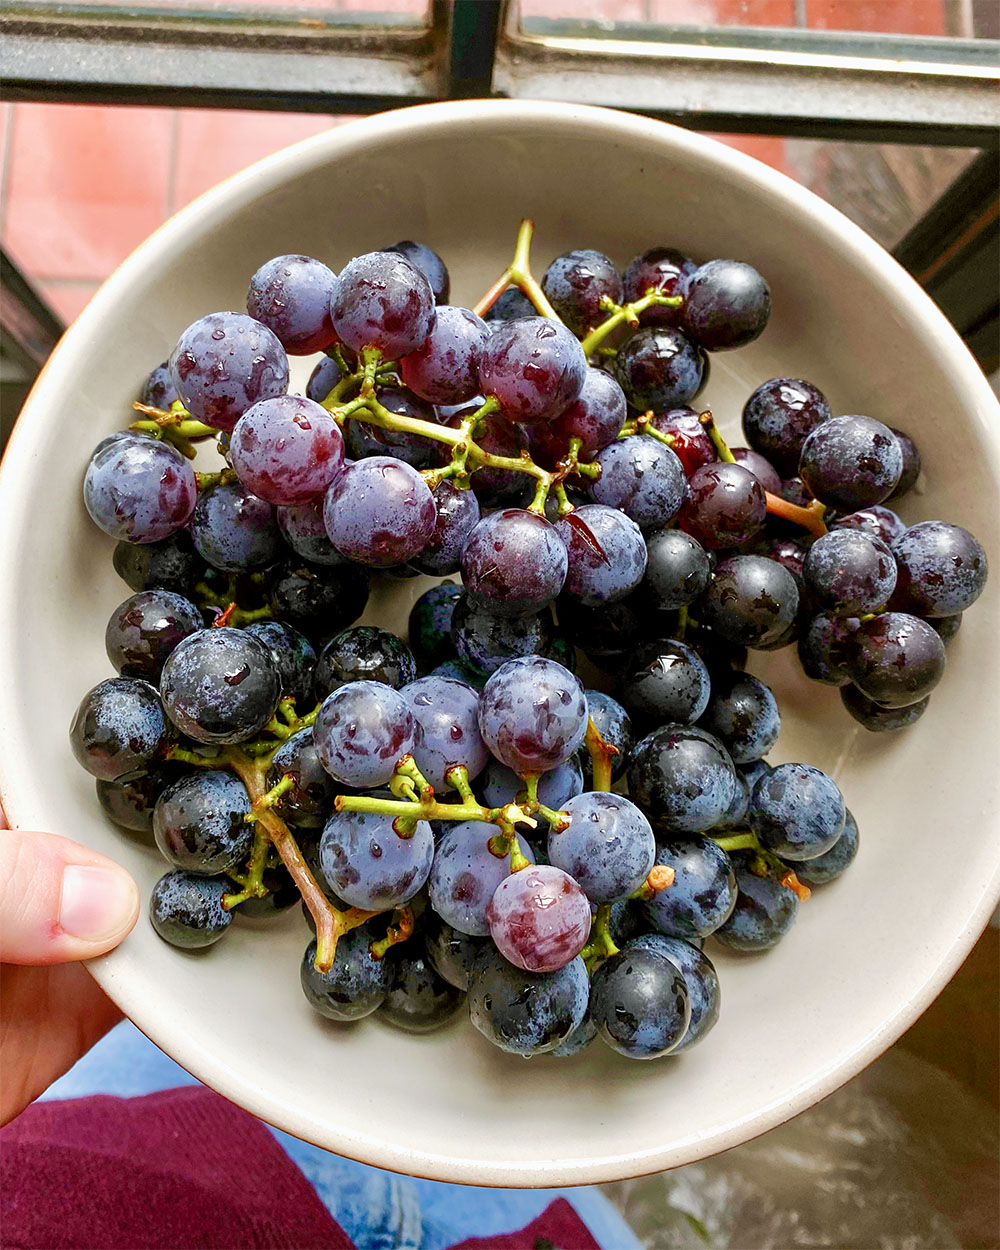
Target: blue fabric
{"x": 378, "y": 1210}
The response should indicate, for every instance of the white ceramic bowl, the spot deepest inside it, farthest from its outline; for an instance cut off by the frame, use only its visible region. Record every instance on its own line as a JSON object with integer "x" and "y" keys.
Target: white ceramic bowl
{"x": 867, "y": 954}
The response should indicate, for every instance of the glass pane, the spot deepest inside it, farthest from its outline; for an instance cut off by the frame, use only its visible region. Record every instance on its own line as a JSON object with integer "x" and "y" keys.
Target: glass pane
{"x": 308, "y": 12}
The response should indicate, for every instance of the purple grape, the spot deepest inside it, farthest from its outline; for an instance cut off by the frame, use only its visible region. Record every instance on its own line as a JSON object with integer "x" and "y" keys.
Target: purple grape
{"x": 727, "y": 304}
{"x": 539, "y": 918}
{"x": 361, "y": 732}
{"x": 851, "y": 462}
{"x": 824, "y": 648}
{"x": 797, "y": 811}
{"x": 220, "y": 686}
{"x": 743, "y": 714}
{"x": 302, "y": 527}
{"x": 416, "y": 450}
{"x": 703, "y": 893}
{"x": 225, "y": 363}
{"x": 682, "y": 778}
{"x": 364, "y": 653}
{"x": 429, "y": 630}
{"x": 778, "y": 417}
{"x": 119, "y": 728}
{"x": 511, "y": 305}
{"x": 500, "y": 785}
{"x": 642, "y": 478}
{"x": 942, "y": 569}
{"x": 430, "y": 265}
{"x": 607, "y": 848}
{"x": 382, "y": 301}
{"x": 318, "y": 601}
{"x": 666, "y": 681}
{"x": 577, "y": 282}
{"x": 457, "y": 516}
{"x": 445, "y": 368}
{"x": 660, "y": 367}
{"x": 465, "y": 875}
{"x": 691, "y": 442}
{"x": 790, "y": 553}
{"x": 139, "y": 489}
{"x": 595, "y": 417}
{"x": 640, "y": 1003}
{"x": 235, "y": 530}
{"x": 158, "y": 390}
{"x": 293, "y": 657}
{"x": 751, "y": 600}
{"x": 379, "y": 512}
{"x": 307, "y": 804}
{"x": 879, "y": 719}
{"x": 287, "y": 450}
{"x": 369, "y": 865}
{"x": 876, "y": 521}
{"x": 200, "y": 823}
{"x": 911, "y": 464}
{"x": 760, "y": 467}
{"x": 446, "y": 728}
{"x": 170, "y": 564}
{"x": 606, "y": 554}
{"x": 849, "y": 572}
{"x": 534, "y": 367}
{"x": 526, "y": 1013}
{"x": 896, "y": 659}
{"x": 677, "y": 570}
{"x": 532, "y": 714}
{"x": 322, "y": 380}
{"x": 484, "y": 641}
{"x": 144, "y": 630}
{"x": 725, "y": 506}
{"x": 660, "y": 269}
{"x": 513, "y": 562}
{"x": 291, "y": 296}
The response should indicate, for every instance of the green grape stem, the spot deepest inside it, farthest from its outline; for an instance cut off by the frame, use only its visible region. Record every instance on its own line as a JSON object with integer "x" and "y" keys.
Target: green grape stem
{"x": 602, "y": 754}
{"x": 518, "y": 273}
{"x": 626, "y": 314}
{"x": 600, "y": 945}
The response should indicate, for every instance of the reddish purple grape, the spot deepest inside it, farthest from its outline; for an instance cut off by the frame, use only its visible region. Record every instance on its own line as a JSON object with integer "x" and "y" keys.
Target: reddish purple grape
{"x": 576, "y": 283}
{"x": 942, "y": 569}
{"x": 725, "y": 506}
{"x": 660, "y": 269}
{"x": 778, "y": 417}
{"x": 139, "y": 489}
{"x": 691, "y": 443}
{"x": 851, "y": 462}
{"x": 849, "y": 572}
{"x": 466, "y": 873}
{"x": 291, "y": 296}
{"x": 382, "y": 301}
{"x": 514, "y": 562}
{"x": 445, "y": 368}
{"x": 539, "y": 918}
{"x": 726, "y": 304}
{"x": 595, "y": 418}
{"x": 287, "y": 449}
{"x": 660, "y": 367}
{"x": 535, "y": 368}
{"x": 896, "y": 659}
{"x": 430, "y": 265}
{"x": 760, "y": 467}
{"x": 379, "y": 512}
{"x": 606, "y": 554}
{"x": 532, "y": 714}
{"x": 911, "y": 464}
{"x": 225, "y": 363}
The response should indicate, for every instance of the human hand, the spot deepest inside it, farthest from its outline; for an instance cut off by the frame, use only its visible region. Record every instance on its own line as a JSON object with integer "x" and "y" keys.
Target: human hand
{"x": 59, "y": 903}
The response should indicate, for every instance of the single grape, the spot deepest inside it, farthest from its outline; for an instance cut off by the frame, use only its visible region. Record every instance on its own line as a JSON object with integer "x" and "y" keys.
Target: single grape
{"x": 947, "y": 626}
{"x": 199, "y": 822}
{"x": 511, "y": 305}
{"x": 119, "y": 728}
{"x": 607, "y": 634}
{"x": 666, "y": 681}
{"x": 797, "y": 811}
{"x": 307, "y": 804}
{"x": 594, "y": 417}
{"x": 144, "y": 630}
{"x": 379, "y": 512}
{"x": 451, "y": 953}
{"x": 446, "y": 728}
{"x": 734, "y": 818}
{"x": 677, "y": 569}
{"x": 465, "y": 875}
{"x": 942, "y": 569}
{"x": 701, "y": 980}
{"x": 640, "y": 1003}
{"x": 419, "y": 999}
{"x": 501, "y": 785}
{"x": 170, "y": 564}
{"x": 430, "y": 265}
{"x": 287, "y": 450}
{"x": 643, "y": 479}
{"x": 513, "y": 562}
{"x": 896, "y": 659}
{"x": 790, "y": 553}
{"x": 361, "y": 732}
{"x": 220, "y": 686}
{"x": 827, "y": 867}
{"x": 369, "y": 864}
{"x": 690, "y": 441}
{"x": 534, "y": 366}
{"x": 293, "y": 657}
{"x": 457, "y": 516}
{"x": 877, "y": 521}
{"x": 682, "y": 778}
{"x": 129, "y": 800}
{"x": 760, "y": 467}
{"x": 234, "y": 530}
{"x": 445, "y": 368}
{"x": 139, "y": 490}
{"x": 539, "y": 918}
{"x": 323, "y": 379}
{"x": 725, "y": 506}
{"x": 660, "y": 367}
{"x": 291, "y": 296}
{"x": 703, "y": 893}
{"x": 225, "y": 363}
{"x": 911, "y": 464}
{"x": 851, "y": 462}
{"x": 849, "y": 572}
{"x": 752, "y": 773}
{"x": 577, "y": 282}
{"x": 186, "y": 910}
{"x": 484, "y": 641}
{"x": 660, "y": 269}
{"x": 615, "y": 727}
{"x": 743, "y": 714}
{"x": 765, "y": 910}
{"x": 318, "y": 601}
{"x": 880, "y": 719}
{"x": 430, "y": 624}
{"x": 779, "y": 416}
{"x": 726, "y": 304}
{"x": 362, "y": 440}
{"x": 824, "y": 648}
{"x": 382, "y": 301}
{"x": 607, "y": 848}
{"x": 532, "y": 714}
{"x": 526, "y": 1013}
{"x": 364, "y": 653}
{"x": 578, "y": 1040}
{"x": 158, "y": 390}
{"x": 357, "y": 983}
{"x": 750, "y": 601}
{"x": 605, "y": 551}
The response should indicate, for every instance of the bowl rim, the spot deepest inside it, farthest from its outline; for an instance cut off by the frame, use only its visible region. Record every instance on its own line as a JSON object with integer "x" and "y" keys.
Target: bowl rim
{"x": 265, "y": 175}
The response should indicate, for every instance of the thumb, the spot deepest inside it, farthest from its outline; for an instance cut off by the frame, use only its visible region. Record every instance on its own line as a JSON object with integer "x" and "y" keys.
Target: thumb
{"x": 60, "y": 901}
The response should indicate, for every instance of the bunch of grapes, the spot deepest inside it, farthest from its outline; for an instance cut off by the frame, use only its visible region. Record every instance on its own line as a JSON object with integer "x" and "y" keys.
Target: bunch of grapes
{"x": 445, "y": 810}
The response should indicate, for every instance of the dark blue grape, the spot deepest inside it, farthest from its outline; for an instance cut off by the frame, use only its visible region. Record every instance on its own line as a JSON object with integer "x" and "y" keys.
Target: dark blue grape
{"x": 323, "y": 379}
{"x": 751, "y": 600}
{"x": 725, "y": 506}
{"x": 465, "y": 874}
{"x": 534, "y": 366}
{"x": 430, "y": 624}
{"x": 607, "y": 634}
{"x": 607, "y": 848}
{"x": 643, "y": 479}
{"x": 700, "y": 978}
{"x": 224, "y": 363}
{"x": 286, "y": 450}
{"x": 186, "y": 910}
{"x": 743, "y": 714}
{"x": 511, "y": 305}
{"x": 526, "y": 1013}
{"x": 380, "y": 512}
{"x": 129, "y": 800}
{"x": 446, "y": 728}
{"x": 532, "y": 714}
{"x": 615, "y": 727}
{"x": 640, "y": 1003}
{"x": 851, "y": 462}
{"x": 501, "y": 785}
{"x": 752, "y": 773}
{"x": 361, "y": 732}
{"x": 382, "y": 301}
{"x": 445, "y": 368}
{"x": 307, "y": 804}
{"x": 118, "y": 728}
{"x": 849, "y": 572}
{"x": 895, "y": 659}
{"x": 765, "y": 910}
{"x": 703, "y": 892}
{"x": 291, "y": 296}
{"x": 234, "y": 530}
{"x": 947, "y": 626}
{"x": 682, "y": 778}
{"x": 666, "y": 681}
{"x": 605, "y": 552}
{"x": 457, "y": 516}
{"x": 660, "y": 367}
{"x": 577, "y": 282}
{"x": 282, "y": 893}
{"x": 735, "y": 816}
{"x": 797, "y": 811}
{"x": 369, "y": 865}
{"x": 451, "y": 953}
{"x": 364, "y": 653}
{"x": 220, "y": 686}
{"x": 158, "y": 390}
{"x": 139, "y": 490}
{"x": 200, "y": 823}
{"x": 824, "y": 648}
{"x": 170, "y": 564}
{"x": 419, "y": 1000}
{"x": 840, "y": 856}
{"x": 877, "y": 718}
{"x": 595, "y": 417}
{"x": 485, "y": 641}
{"x": 779, "y": 416}
{"x": 319, "y": 601}
{"x": 513, "y": 562}
{"x": 416, "y": 450}
{"x": 677, "y": 570}
{"x": 878, "y": 521}
{"x": 357, "y": 983}
{"x": 430, "y": 265}
{"x": 578, "y": 1040}
{"x": 727, "y": 304}
{"x": 144, "y": 630}
{"x": 660, "y": 269}
{"x": 911, "y": 464}
{"x": 293, "y": 657}
{"x": 942, "y": 569}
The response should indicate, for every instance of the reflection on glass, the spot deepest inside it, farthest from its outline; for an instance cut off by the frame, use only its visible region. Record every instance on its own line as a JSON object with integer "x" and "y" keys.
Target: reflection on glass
{"x": 309, "y": 12}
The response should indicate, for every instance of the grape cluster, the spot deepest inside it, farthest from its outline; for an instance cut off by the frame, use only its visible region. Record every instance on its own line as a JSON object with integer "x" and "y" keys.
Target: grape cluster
{"x": 444, "y": 809}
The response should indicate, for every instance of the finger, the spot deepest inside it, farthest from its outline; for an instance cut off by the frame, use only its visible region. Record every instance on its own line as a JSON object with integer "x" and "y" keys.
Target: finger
{"x": 60, "y": 901}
